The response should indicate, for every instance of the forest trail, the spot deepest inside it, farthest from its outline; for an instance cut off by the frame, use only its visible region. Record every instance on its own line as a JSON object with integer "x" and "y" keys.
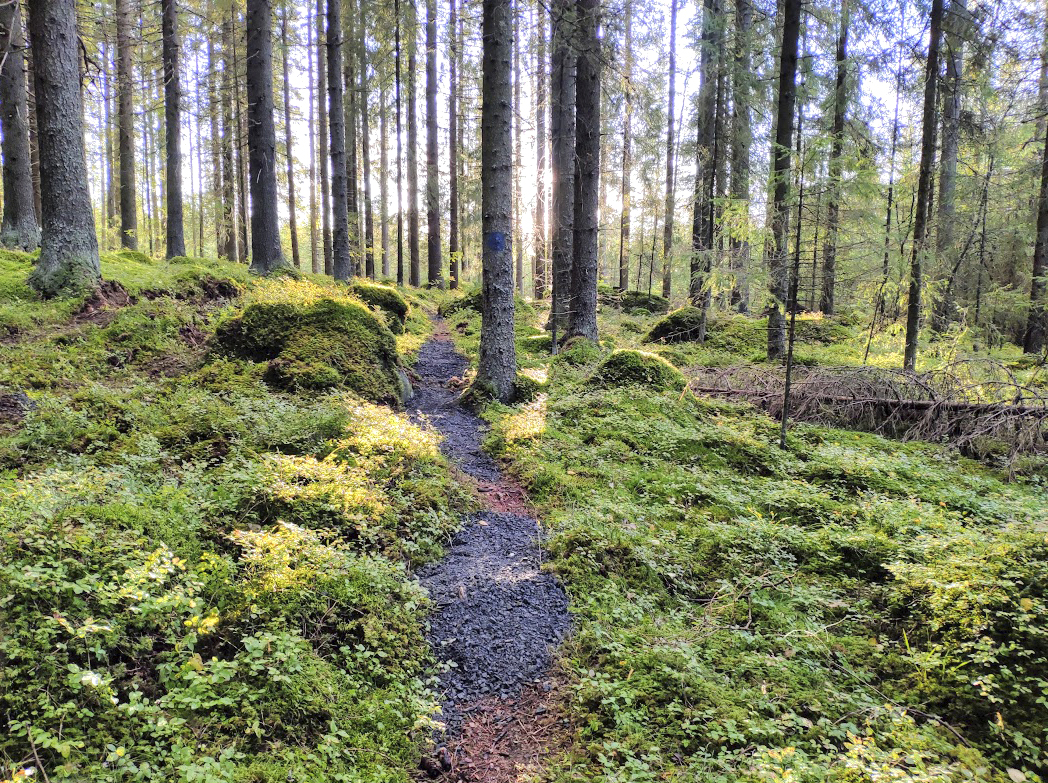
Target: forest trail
{"x": 497, "y": 616}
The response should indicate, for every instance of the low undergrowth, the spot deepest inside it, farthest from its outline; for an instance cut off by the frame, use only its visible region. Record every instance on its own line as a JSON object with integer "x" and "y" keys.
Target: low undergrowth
{"x": 847, "y": 609}
{"x": 204, "y": 578}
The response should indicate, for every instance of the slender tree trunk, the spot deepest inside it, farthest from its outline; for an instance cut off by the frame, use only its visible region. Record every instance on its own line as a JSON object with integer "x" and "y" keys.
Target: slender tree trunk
{"x": 34, "y": 140}
{"x": 229, "y": 173}
{"x": 383, "y": 180}
{"x": 199, "y": 148}
{"x": 110, "y": 195}
{"x": 415, "y": 272}
{"x": 435, "y": 269}
{"x": 352, "y": 182}
{"x": 784, "y": 116}
{"x": 1037, "y": 320}
{"x": 562, "y": 142}
{"x": 176, "y": 242}
{"x": 705, "y": 166}
{"x": 324, "y": 153}
{"x": 289, "y": 147}
{"x": 314, "y": 251}
{"x": 924, "y": 186}
{"x": 20, "y": 228}
{"x": 742, "y": 138}
{"x": 241, "y": 146}
{"x": 453, "y": 152}
{"x": 68, "y": 260}
{"x": 518, "y": 235}
{"x": 671, "y": 114}
{"x": 460, "y": 124}
{"x": 840, "y": 106}
{"x": 125, "y": 122}
{"x": 627, "y": 160}
{"x": 582, "y": 320}
{"x": 541, "y": 146}
{"x": 365, "y": 147}
{"x": 340, "y": 251}
{"x": 400, "y": 155}
{"x": 497, "y": 367}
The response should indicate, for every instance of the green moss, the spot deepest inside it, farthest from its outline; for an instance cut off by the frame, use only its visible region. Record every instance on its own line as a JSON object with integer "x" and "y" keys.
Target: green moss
{"x": 387, "y": 299}
{"x": 680, "y": 326}
{"x": 633, "y": 301}
{"x": 627, "y": 367}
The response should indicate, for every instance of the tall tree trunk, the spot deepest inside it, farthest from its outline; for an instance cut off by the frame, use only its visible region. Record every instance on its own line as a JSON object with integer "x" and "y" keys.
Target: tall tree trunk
{"x": 176, "y": 241}
{"x": 34, "y": 140}
{"x": 340, "y": 251}
{"x": 944, "y": 310}
{"x": 352, "y": 183}
{"x": 435, "y": 270}
{"x": 400, "y": 155}
{"x": 518, "y": 235}
{"x": 671, "y": 114}
{"x": 365, "y": 147}
{"x": 741, "y": 139}
{"x": 110, "y": 195}
{"x": 778, "y": 261}
{"x": 229, "y": 171}
{"x": 20, "y": 228}
{"x": 627, "y": 160}
{"x": 538, "y": 272}
{"x": 582, "y": 320}
{"x": 68, "y": 259}
{"x": 497, "y": 367}
{"x": 383, "y": 180}
{"x": 288, "y": 146}
{"x": 562, "y": 143}
{"x": 324, "y": 153}
{"x": 924, "y": 187}
{"x": 266, "y": 254}
{"x": 415, "y": 271}
{"x": 241, "y": 146}
{"x": 314, "y": 251}
{"x": 1037, "y": 320}
{"x": 214, "y": 90}
{"x": 705, "y": 166}
{"x": 125, "y": 122}
{"x": 840, "y": 106}
{"x": 453, "y": 152}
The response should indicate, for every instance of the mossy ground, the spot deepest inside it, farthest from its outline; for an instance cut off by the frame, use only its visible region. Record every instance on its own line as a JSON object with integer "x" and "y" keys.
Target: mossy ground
{"x": 205, "y": 577}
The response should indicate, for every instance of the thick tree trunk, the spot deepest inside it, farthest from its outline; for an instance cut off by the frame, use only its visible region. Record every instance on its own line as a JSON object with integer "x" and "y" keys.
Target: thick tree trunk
{"x": 453, "y": 153}
{"x": 314, "y": 251}
{"x": 627, "y": 159}
{"x": 229, "y": 172}
{"x": 582, "y": 320}
{"x": 289, "y": 148}
{"x": 497, "y": 367}
{"x": 778, "y": 262}
{"x": 125, "y": 123}
{"x": 340, "y": 252}
{"x": 324, "y": 153}
{"x": 266, "y": 254}
{"x": 435, "y": 269}
{"x": 1037, "y": 320}
{"x": 741, "y": 139}
{"x": 538, "y": 272}
{"x": 176, "y": 241}
{"x": 840, "y": 106}
{"x": 924, "y": 187}
{"x": 671, "y": 113}
{"x": 562, "y": 143}
{"x": 20, "y": 228}
{"x": 68, "y": 260}
{"x": 365, "y": 147}
{"x": 415, "y": 272}
{"x": 400, "y": 154}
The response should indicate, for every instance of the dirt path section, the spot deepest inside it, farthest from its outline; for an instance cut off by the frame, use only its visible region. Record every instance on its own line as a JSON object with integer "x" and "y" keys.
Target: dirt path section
{"x": 497, "y": 616}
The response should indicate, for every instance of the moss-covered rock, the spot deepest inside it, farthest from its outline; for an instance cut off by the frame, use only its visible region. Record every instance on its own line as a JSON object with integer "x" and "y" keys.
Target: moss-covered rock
{"x": 470, "y": 300}
{"x": 680, "y": 326}
{"x": 388, "y": 300}
{"x": 628, "y": 368}
{"x": 634, "y": 301}
{"x": 318, "y": 345}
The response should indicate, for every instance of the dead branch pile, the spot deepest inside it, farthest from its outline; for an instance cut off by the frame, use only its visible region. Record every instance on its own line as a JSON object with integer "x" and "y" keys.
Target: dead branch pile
{"x": 978, "y": 406}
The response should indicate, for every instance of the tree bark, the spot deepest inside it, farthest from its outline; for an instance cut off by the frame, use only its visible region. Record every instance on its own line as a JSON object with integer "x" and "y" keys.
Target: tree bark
{"x": 497, "y": 367}
{"x": 20, "y": 228}
{"x": 383, "y": 186}
{"x": 435, "y": 269}
{"x": 924, "y": 187}
{"x": 627, "y": 160}
{"x": 241, "y": 145}
{"x": 400, "y": 154}
{"x": 288, "y": 146}
{"x": 125, "y": 123}
{"x": 314, "y": 251}
{"x": 705, "y": 166}
{"x": 670, "y": 206}
{"x": 324, "y": 153}
{"x": 780, "y": 153}
{"x": 833, "y": 207}
{"x": 415, "y": 271}
{"x": 1037, "y": 320}
{"x": 365, "y": 147}
{"x": 340, "y": 252}
{"x": 741, "y": 139}
{"x": 229, "y": 171}
{"x": 538, "y": 272}
{"x": 453, "y": 152}
{"x": 562, "y": 143}
{"x": 582, "y": 319}
{"x": 68, "y": 260}
{"x": 176, "y": 240}
{"x": 352, "y": 183}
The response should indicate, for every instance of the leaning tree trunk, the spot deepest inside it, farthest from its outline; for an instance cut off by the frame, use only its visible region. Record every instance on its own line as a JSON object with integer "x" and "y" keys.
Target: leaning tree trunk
{"x": 435, "y": 271}
{"x": 68, "y": 260}
{"x": 176, "y": 241}
{"x": 670, "y": 207}
{"x": 627, "y": 162}
{"x": 497, "y": 367}
{"x": 741, "y": 139}
{"x": 288, "y": 146}
{"x": 453, "y": 142}
{"x": 840, "y": 104}
{"x": 20, "y": 228}
{"x": 340, "y": 253}
{"x": 125, "y": 123}
{"x": 1037, "y": 320}
{"x": 415, "y": 269}
{"x": 780, "y": 221}
{"x": 582, "y": 319}
{"x": 924, "y": 187}
{"x": 562, "y": 143}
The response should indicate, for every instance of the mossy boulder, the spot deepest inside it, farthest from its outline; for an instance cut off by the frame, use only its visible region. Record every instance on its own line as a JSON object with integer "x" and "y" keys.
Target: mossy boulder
{"x": 632, "y": 302}
{"x": 386, "y": 299}
{"x": 680, "y": 326}
{"x": 318, "y": 345}
{"x": 470, "y": 300}
{"x": 638, "y": 368}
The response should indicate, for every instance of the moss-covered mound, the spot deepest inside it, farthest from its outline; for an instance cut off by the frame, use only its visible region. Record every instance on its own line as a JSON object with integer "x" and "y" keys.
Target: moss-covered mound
{"x": 680, "y": 326}
{"x": 470, "y": 300}
{"x": 634, "y": 301}
{"x": 321, "y": 344}
{"x": 628, "y": 368}
{"x": 388, "y": 300}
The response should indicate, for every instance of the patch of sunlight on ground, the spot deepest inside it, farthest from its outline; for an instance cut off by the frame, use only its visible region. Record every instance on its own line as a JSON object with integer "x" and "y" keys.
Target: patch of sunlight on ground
{"x": 529, "y": 422}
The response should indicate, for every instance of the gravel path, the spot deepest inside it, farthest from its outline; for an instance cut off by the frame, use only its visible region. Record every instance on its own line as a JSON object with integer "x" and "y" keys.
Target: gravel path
{"x": 497, "y": 616}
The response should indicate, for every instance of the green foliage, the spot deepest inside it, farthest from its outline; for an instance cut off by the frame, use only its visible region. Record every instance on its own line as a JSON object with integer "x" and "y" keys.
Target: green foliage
{"x": 387, "y": 299}
{"x": 626, "y": 367}
{"x": 680, "y": 326}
